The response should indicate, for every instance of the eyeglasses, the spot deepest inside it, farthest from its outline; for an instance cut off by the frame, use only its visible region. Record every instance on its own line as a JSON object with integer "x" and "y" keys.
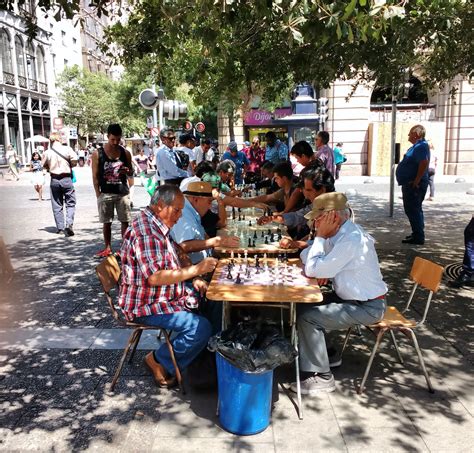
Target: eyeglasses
{"x": 170, "y": 138}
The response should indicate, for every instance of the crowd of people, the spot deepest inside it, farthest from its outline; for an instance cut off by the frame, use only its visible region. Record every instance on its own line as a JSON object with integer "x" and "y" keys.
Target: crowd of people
{"x": 167, "y": 248}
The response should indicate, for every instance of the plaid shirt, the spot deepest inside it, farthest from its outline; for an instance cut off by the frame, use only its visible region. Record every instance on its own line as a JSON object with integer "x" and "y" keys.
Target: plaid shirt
{"x": 147, "y": 248}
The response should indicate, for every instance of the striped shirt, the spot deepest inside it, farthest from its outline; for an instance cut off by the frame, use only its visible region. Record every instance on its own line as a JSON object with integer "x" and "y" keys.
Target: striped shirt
{"x": 148, "y": 248}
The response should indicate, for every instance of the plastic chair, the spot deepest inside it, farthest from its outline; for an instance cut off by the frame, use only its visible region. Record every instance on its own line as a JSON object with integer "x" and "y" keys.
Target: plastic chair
{"x": 423, "y": 273}
{"x": 108, "y": 272}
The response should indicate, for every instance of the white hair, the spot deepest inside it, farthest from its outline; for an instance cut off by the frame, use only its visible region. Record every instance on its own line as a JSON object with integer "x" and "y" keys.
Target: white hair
{"x": 419, "y": 130}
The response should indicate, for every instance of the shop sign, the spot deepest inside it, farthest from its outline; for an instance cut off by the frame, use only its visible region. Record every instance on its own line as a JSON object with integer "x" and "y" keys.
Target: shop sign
{"x": 263, "y": 117}
{"x": 58, "y": 123}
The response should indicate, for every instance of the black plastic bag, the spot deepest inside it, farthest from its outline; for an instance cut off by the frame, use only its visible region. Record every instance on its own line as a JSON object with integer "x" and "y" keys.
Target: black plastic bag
{"x": 253, "y": 347}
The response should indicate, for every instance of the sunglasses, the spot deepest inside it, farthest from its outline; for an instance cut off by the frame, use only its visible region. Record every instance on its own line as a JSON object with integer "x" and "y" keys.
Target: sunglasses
{"x": 170, "y": 138}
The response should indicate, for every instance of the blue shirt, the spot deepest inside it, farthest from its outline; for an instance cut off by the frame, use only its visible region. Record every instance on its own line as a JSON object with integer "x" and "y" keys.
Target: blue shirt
{"x": 240, "y": 159}
{"x": 166, "y": 164}
{"x": 189, "y": 228}
{"x": 276, "y": 153}
{"x": 408, "y": 167}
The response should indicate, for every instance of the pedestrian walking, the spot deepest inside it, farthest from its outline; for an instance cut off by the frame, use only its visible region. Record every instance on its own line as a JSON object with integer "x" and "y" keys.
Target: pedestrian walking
{"x": 111, "y": 168}
{"x": 412, "y": 175}
{"x": 12, "y": 160}
{"x": 339, "y": 158}
{"x": 59, "y": 161}
{"x": 37, "y": 174}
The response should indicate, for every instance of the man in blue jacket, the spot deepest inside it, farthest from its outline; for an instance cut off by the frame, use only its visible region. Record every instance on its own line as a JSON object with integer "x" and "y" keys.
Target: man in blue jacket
{"x": 412, "y": 175}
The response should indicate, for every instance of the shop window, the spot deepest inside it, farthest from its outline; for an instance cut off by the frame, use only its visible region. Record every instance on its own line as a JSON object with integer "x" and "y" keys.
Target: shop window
{"x": 6, "y": 55}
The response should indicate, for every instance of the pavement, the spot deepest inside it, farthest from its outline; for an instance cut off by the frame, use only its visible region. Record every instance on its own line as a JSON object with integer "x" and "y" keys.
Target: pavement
{"x": 59, "y": 347}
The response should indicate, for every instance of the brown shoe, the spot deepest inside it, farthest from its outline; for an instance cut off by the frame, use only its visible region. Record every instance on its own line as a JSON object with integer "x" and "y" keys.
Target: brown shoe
{"x": 158, "y": 371}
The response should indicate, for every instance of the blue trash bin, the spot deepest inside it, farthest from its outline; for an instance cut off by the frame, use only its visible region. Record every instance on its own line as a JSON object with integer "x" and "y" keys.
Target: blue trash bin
{"x": 245, "y": 398}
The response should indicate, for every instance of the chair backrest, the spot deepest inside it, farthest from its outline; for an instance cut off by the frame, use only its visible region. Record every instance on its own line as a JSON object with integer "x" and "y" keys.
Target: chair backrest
{"x": 426, "y": 274}
{"x": 108, "y": 272}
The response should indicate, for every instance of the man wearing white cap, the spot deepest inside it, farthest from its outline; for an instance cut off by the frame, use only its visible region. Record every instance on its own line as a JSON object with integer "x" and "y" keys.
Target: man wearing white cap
{"x": 344, "y": 253}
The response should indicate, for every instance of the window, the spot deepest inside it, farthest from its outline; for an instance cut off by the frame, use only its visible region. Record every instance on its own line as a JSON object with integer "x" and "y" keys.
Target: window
{"x": 20, "y": 58}
{"x": 30, "y": 62}
{"x": 41, "y": 67}
{"x": 6, "y": 52}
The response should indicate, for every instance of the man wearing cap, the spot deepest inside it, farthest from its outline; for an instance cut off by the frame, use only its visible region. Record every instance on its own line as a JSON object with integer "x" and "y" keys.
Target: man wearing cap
{"x": 153, "y": 289}
{"x": 240, "y": 160}
{"x": 168, "y": 163}
{"x": 59, "y": 160}
{"x": 344, "y": 253}
{"x": 189, "y": 232}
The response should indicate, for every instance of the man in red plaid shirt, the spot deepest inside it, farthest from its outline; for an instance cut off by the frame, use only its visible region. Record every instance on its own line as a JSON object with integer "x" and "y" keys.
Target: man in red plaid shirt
{"x": 153, "y": 289}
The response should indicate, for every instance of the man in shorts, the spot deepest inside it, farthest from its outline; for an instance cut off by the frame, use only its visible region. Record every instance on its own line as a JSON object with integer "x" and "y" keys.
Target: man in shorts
{"x": 111, "y": 166}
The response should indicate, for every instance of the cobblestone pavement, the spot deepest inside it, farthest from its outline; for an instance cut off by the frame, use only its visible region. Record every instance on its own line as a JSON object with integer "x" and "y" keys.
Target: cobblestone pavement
{"x": 58, "y": 347}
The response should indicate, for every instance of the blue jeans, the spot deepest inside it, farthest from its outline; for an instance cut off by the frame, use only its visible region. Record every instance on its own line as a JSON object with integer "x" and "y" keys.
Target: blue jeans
{"x": 191, "y": 331}
{"x": 412, "y": 201}
{"x": 468, "y": 262}
{"x": 63, "y": 193}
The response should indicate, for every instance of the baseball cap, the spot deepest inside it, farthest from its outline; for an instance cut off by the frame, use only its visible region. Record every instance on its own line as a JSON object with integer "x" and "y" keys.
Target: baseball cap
{"x": 333, "y": 201}
{"x": 233, "y": 146}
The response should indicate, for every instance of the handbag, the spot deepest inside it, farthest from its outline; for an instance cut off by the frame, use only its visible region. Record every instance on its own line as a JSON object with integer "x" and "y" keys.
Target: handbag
{"x": 73, "y": 176}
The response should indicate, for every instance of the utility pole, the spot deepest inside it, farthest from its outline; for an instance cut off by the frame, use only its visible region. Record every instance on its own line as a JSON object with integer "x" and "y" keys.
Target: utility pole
{"x": 392, "y": 150}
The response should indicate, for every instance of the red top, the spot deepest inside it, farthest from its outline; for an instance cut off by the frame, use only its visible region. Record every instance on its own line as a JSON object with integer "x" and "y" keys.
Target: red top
{"x": 256, "y": 156}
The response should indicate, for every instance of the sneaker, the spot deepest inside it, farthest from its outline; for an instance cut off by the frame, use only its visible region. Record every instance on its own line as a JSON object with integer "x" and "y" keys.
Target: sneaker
{"x": 103, "y": 253}
{"x": 68, "y": 231}
{"x": 315, "y": 384}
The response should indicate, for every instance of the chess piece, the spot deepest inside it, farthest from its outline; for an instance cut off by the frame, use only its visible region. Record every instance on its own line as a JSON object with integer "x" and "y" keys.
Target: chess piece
{"x": 279, "y": 230}
{"x": 250, "y": 223}
{"x": 255, "y": 234}
{"x": 238, "y": 280}
{"x": 257, "y": 261}
{"x": 285, "y": 257}
{"x": 269, "y": 232}
{"x": 263, "y": 234}
{"x": 271, "y": 238}
{"x": 279, "y": 236}
{"x": 229, "y": 274}
{"x": 233, "y": 213}
{"x": 266, "y": 240}
{"x": 243, "y": 216}
{"x": 250, "y": 242}
{"x": 239, "y": 217}
{"x": 253, "y": 243}
{"x": 248, "y": 272}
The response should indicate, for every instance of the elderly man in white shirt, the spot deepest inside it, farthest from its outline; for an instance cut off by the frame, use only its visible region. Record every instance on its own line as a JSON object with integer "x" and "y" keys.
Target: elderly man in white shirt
{"x": 344, "y": 253}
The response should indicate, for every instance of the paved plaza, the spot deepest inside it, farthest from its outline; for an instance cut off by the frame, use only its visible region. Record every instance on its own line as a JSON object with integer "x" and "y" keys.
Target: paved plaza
{"x": 59, "y": 347}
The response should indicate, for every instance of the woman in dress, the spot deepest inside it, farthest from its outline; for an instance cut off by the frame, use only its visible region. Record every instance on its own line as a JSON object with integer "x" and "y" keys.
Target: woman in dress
{"x": 37, "y": 178}
{"x": 12, "y": 160}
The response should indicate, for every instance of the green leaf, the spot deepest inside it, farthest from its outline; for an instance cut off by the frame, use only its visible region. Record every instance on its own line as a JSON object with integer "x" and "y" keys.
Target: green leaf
{"x": 338, "y": 31}
{"x": 349, "y": 9}
{"x": 362, "y": 2}
{"x": 350, "y": 35}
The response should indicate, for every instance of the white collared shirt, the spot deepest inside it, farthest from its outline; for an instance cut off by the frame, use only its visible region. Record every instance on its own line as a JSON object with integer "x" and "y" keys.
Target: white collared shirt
{"x": 350, "y": 260}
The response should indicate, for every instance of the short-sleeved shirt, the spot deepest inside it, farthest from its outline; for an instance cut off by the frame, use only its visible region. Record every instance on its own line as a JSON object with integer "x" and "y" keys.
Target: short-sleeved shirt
{"x": 56, "y": 164}
{"x": 167, "y": 164}
{"x": 240, "y": 159}
{"x": 276, "y": 153}
{"x": 148, "y": 248}
{"x": 256, "y": 157}
{"x": 408, "y": 168}
{"x": 326, "y": 155}
{"x": 189, "y": 228}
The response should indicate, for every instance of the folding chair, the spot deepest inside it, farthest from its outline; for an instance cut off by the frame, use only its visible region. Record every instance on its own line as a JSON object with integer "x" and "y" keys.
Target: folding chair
{"x": 423, "y": 273}
{"x": 108, "y": 272}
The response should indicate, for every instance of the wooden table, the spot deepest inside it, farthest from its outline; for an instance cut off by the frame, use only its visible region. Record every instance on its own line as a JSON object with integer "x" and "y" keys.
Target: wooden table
{"x": 265, "y": 295}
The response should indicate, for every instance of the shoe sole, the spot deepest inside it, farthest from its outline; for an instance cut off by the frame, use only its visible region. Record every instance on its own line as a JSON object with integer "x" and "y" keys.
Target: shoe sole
{"x": 315, "y": 391}
{"x": 335, "y": 363}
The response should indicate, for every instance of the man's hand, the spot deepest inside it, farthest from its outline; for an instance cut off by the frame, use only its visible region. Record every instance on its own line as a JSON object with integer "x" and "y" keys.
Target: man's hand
{"x": 200, "y": 285}
{"x": 264, "y": 220}
{"x": 125, "y": 171}
{"x": 414, "y": 184}
{"x": 287, "y": 243}
{"x": 215, "y": 194}
{"x": 322, "y": 281}
{"x": 328, "y": 225}
{"x": 261, "y": 206}
{"x": 227, "y": 241}
{"x": 206, "y": 265}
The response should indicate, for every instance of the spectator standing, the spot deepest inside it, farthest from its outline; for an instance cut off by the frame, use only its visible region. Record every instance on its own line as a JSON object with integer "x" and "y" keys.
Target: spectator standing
{"x": 239, "y": 159}
{"x": 412, "y": 175}
{"x": 59, "y": 160}
{"x": 256, "y": 156}
{"x": 168, "y": 163}
{"x": 200, "y": 152}
{"x": 111, "y": 168}
{"x": 432, "y": 171}
{"x": 37, "y": 176}
{"x": 275, "y": 150}
{"x": 339, "y": 158}
{"x": 187, "y": 146}
{"x": 12, "y": 159}
{"x": 324, "y": 152}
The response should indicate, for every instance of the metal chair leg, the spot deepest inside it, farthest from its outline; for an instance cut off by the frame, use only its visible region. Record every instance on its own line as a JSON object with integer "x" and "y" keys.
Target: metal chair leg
{"x": 422, "y": 362}
{"x": 394, "y": 341}
{"x": 359, "y": 330}
{"x": 346, "y": 340}
{"x": 371, "y": 359}
{"x": 135, "y": 344}
{"x": 294, "y": 340}
{"x": 122, "y": 360}
{"x": 175, "y": 364}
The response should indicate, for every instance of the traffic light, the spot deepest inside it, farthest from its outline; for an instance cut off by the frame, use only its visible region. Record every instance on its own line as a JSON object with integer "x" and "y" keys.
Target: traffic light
{"x": 323, "y": 109}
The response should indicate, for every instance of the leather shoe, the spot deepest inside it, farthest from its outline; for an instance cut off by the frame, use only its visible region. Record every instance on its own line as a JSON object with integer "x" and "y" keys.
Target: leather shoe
{"x": 413, "y": 241}
{"x": 161, "y": 377}
{"x": 409, "y": 236}
{"x": 68, "y": 231}
{"x": 463, "y": 280}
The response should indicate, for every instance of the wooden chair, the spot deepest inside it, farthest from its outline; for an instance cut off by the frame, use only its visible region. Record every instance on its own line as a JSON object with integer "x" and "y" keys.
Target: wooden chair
{"x": 108, "y": 272}
{"x": 423, "y": 273}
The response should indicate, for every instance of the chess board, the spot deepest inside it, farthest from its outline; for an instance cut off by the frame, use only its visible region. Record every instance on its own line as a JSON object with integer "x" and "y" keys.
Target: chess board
{"x": 243, "y": 274}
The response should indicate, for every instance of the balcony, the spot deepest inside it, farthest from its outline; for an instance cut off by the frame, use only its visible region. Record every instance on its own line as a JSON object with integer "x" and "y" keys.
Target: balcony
{"x": 43, "y": 88}
{"x": 22, "y": 81}
{"x": 8, "y": 78}
{"x": 33, "y": 84}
